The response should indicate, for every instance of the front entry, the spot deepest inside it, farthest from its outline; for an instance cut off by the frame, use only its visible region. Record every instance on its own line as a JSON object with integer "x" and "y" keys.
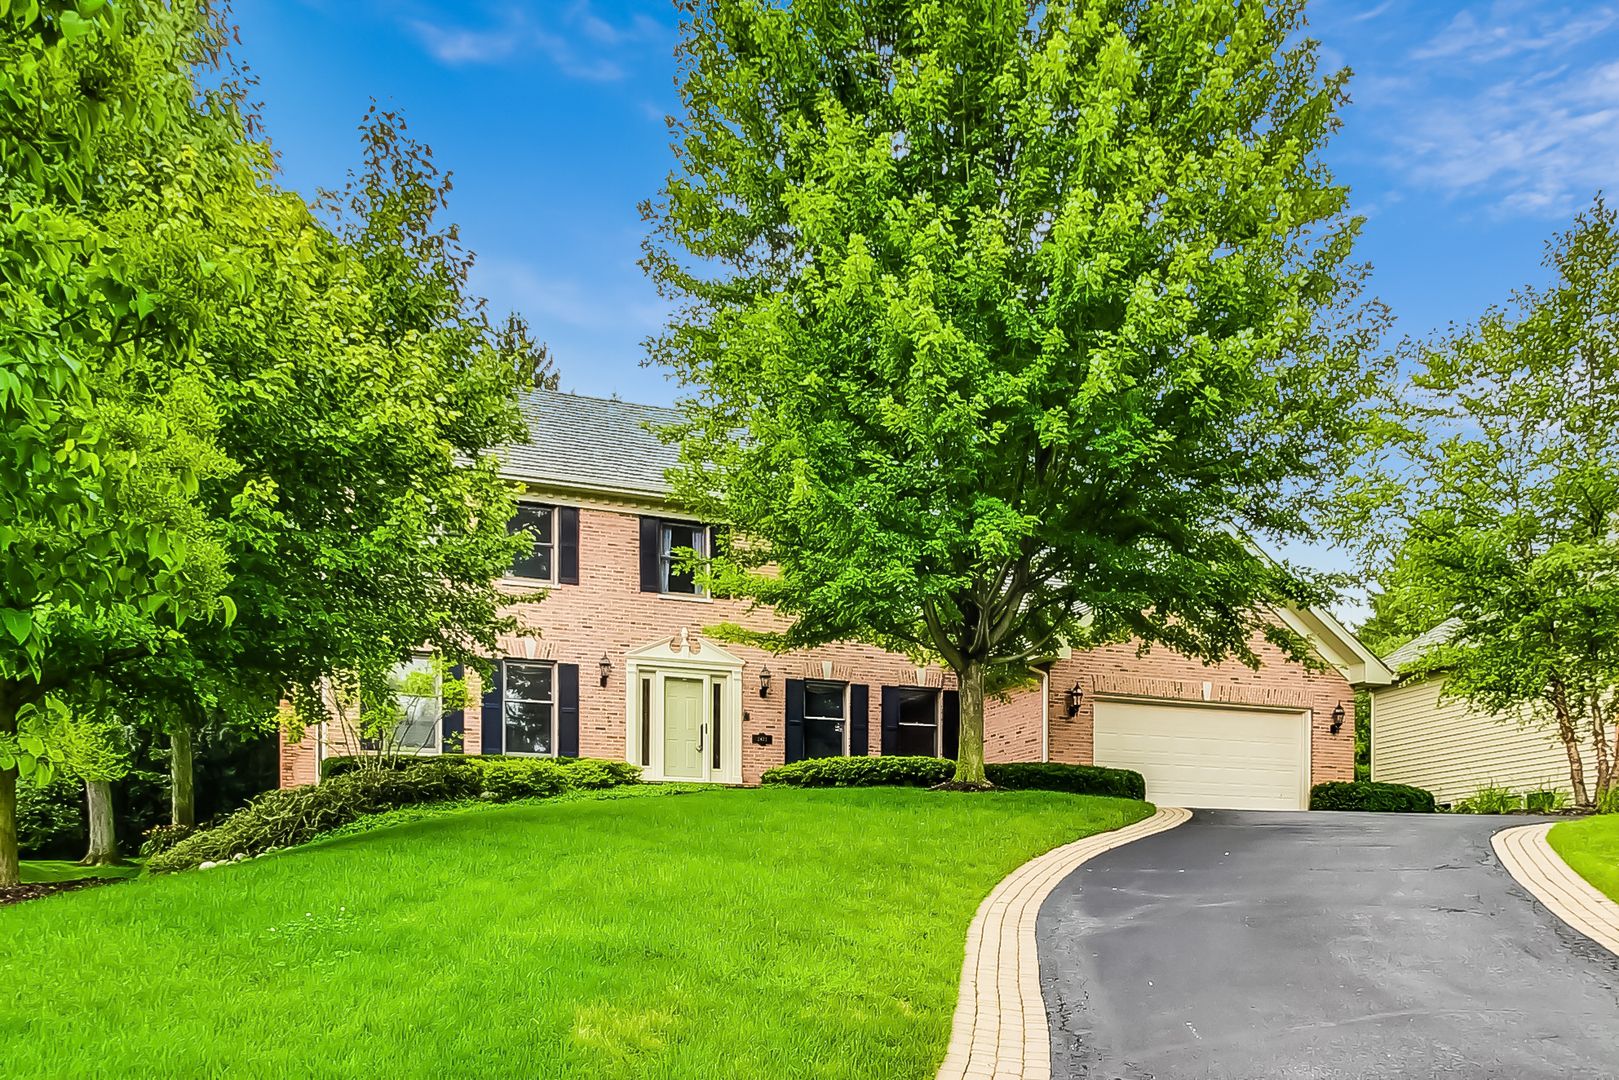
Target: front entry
{"x": 683, "y": 728}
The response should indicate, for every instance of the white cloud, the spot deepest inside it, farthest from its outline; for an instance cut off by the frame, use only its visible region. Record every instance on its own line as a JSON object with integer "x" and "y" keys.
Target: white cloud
{"x": 1513, "y": 28}
{"x": 580, "y": 43}
{"x": 544, "y": 299}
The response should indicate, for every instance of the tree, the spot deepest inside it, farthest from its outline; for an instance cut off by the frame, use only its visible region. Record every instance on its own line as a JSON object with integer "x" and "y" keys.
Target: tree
{"x": 1493, "y": 500}
{"x": 105, "y": 548}
{"x": 1003, "y": 324}
{"x": 89, "y": 743}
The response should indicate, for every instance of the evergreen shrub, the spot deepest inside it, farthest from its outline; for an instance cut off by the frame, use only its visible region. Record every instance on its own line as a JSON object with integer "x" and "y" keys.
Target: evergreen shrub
{"x": 928, "y": 771}
{"x": 1366, "y": 795}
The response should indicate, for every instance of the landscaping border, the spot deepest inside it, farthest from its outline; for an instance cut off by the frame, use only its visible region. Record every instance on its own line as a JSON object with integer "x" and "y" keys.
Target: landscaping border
{"x": 1000, "y": 1027}
{"x": 1523, "y": 850}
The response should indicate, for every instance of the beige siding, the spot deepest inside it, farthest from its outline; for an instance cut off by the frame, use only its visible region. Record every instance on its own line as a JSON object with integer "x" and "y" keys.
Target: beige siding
{"x": 1442, "y": 745}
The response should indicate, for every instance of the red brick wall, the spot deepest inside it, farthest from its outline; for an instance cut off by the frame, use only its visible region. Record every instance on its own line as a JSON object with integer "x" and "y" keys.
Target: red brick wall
{"x": 607, "y": 613}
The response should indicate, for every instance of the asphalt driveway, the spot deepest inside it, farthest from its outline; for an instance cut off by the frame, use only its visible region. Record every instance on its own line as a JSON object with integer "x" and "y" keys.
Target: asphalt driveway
{"x": 1252, "y": 946}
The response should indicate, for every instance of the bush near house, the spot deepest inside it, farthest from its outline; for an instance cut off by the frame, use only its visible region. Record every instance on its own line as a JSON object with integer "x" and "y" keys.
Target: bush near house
{"x": 293, "y": 816}
{"x": 586, "y": 772}
{"x": 1366, "y": 795}
{"x": 927, "y": 771}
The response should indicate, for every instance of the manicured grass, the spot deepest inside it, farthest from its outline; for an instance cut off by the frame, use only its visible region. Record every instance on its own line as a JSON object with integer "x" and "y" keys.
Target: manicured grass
{"x": 736, "y": 934}
{"x": 1591, "y": 848}
{"x": 44, "y": 870}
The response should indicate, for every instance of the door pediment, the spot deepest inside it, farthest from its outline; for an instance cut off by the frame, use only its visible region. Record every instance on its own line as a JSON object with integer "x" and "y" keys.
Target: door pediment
{"x": 687, "y": 649}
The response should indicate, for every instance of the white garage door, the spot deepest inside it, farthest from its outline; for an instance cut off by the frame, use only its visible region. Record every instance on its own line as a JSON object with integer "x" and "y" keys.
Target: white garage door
{"x": 1230, "y": 759}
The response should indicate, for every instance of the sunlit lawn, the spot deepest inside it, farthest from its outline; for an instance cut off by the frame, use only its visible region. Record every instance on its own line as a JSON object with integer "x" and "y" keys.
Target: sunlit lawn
{"x": 1591, "y": 848}
{"x": 746, "y": 934}
{"x": 48, "y": 870}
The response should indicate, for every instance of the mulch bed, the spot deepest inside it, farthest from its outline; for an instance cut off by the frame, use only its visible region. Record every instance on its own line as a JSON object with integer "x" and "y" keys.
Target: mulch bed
{"x": 33, "y": 890}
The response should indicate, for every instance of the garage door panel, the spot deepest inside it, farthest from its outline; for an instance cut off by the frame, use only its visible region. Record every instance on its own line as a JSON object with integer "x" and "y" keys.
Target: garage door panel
{"x": 1208, "y": 757}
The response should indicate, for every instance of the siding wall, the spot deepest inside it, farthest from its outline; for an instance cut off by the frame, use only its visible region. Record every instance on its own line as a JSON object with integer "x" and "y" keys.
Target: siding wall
{"x": 1446, "y": 747}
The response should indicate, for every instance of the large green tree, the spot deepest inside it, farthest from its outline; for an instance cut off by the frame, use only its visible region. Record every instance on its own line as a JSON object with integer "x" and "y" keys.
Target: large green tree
{"x": 1004, "y": 322}
{"x": 1493, "y": 500}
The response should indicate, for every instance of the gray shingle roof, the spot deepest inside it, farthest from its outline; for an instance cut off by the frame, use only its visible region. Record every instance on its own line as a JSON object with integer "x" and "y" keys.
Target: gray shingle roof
{"x": 1418, "y": 646}
{"x": 592, "y": 444}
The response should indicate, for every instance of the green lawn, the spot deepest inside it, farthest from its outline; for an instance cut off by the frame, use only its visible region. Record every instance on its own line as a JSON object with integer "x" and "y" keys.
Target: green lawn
{"x": 746, "y": 934}
{"x": 45, "y": 870}
{"x": 1591, "y": 847}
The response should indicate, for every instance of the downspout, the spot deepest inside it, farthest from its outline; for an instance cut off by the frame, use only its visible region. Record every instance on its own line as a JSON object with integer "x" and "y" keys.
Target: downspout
{"x": 1045, "y": 715}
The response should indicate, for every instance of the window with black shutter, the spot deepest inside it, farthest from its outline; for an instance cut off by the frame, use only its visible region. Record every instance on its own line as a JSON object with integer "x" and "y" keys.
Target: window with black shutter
{"x": 537, "y": 521}
{"x": 664, "y": 565}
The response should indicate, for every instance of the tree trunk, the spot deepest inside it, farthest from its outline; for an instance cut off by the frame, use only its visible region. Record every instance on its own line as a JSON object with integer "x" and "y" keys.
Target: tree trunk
{"x": 103, "y": 833}
{"x": 1599, "y": 737}
{"x": 970, "y": 748}
{"x": 183, "y": 797}
{"x": 1571, "y": 744}
{"x": 10, "y": 872}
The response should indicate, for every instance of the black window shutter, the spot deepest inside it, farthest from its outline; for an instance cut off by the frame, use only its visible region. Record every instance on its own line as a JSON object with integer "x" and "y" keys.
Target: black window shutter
{"x": 651, "y": 538}
{"x": 567, "y": 710}
{"x": 890, "y": 717}
{"x": 494, "y": 726}
{"x": 950, "y": 717}
{"x": 859, "y": 727}
{"x": 795, "y": 720}
{"x": 454, "y": 722}
{"x": 567, "y": 545}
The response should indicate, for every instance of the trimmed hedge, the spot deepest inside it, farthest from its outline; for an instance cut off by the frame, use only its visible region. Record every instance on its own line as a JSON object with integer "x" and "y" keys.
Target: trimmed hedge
{"x": 293, "y": 816}
{"x": 584, "y": 772}
{"x": 928, "y": 771}
{"x": 1365, "y": 795}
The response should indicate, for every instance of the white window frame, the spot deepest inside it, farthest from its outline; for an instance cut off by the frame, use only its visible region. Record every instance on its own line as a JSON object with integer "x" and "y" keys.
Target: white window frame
{"x": 844, "y": 719}
{"x": 526, "y": 504}
{"x": 666, "y": 558}
{"x": 506, "y": 695}
{"x": 402, "y": 671}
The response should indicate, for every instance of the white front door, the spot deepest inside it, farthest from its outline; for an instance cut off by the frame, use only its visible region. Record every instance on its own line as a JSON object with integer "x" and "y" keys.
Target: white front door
{"x": 683, "y": 728}
{"x": 1216, "y": 758}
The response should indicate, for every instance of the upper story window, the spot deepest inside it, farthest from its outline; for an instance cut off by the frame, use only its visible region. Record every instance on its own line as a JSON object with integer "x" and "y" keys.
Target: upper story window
{"x": 676, "y": 536}
{"x": 539, "y": 522}
{"x": 663, "y": 542}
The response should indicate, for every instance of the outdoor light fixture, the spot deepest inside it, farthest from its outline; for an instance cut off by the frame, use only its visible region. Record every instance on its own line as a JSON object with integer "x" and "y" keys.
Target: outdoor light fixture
{"x": 1073, "y": 700}
{"x": 606, "y": 667}
{"x": 764, "y": 681}
{"x": 1338, "y": 718}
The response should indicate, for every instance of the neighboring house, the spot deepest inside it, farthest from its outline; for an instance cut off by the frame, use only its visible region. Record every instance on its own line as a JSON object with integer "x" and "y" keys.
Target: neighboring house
{"x": 623, "y": 669}
{"x": 1429, "y": 741}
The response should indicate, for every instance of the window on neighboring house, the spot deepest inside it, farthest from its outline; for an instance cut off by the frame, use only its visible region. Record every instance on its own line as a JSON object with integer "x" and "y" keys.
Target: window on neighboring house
{"x": 530, "y": 708}
{"x": 538, "y": 522}
{"x": 675, "y": 536}
{"x": 919, "y": 723}
{"x": 824, "y": 718}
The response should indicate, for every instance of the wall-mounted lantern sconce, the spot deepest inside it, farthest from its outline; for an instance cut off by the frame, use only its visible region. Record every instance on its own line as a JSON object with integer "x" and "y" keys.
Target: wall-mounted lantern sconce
{"x": 1337, "y": 718}
{"x": 1073, "y": 701}
{"x": 764, "y": 681}
{"x": 606, "y": 667}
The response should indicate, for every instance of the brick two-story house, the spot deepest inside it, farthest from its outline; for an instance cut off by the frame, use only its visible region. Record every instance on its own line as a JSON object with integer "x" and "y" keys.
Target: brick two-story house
{"x": 623, "y": 670}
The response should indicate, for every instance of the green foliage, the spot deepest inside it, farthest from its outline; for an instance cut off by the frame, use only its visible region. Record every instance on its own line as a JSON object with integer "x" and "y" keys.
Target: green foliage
{"x": 998, "y": 318}
{"x": 889, "y": 771}
{"x": 1492, "y": 498}
{"x": 1609, "y": 802}
{"x": 1074, "y": 779}
{"x": 517, "y": 779}
{"x": 160, "y": 838}
{"x": 1544, "y": 801}
{"x": 581, "y": 772}
{"x": 1363, "y": 734}
{"x": 861, "y": 772}
{"x": 50, "y": 819}
{"x": 1489, "y": 799}
{"x": 286, "y": 818}
{"x": 1365, "y": 795}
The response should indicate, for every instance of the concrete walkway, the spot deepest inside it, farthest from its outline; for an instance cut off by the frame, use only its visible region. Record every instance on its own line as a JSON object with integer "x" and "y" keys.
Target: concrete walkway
{"x": 1251, "y": 946}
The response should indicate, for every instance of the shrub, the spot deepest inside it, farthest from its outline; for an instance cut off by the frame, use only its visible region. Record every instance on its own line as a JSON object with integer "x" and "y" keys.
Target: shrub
{"x": 927, "y": 771}
{"x": 1608, "y": 801}
{"x": 293, "y": 816}
{"x": 521, "y": 778}
{"x": 50, "y": 819}
{"x": 1074, "y": 779}
{"x": 1366, "y": 795}
{"x": 1544, "y": 801}
{"x": 583, "y": 772}
{"x": 160, "y": 838}
{"x": 1489, "y": 799}
{"x": 862, "y": 772}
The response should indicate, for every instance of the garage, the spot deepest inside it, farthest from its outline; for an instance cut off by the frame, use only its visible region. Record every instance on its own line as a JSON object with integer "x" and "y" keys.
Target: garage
{"x": 1217, "y": 757}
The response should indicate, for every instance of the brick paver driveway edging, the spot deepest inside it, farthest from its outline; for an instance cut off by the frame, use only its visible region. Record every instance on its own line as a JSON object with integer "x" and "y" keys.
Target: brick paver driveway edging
{"x": 1531, "y": 860}
{"x": 1000, "y": 1026}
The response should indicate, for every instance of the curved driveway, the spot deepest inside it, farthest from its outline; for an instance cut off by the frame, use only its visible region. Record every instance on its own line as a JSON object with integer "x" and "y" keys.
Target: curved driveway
{"x": 1253, "y": 945}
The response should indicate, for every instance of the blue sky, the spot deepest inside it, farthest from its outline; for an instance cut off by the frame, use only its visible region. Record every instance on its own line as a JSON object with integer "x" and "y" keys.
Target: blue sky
{"x": 1476, "y": 130}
